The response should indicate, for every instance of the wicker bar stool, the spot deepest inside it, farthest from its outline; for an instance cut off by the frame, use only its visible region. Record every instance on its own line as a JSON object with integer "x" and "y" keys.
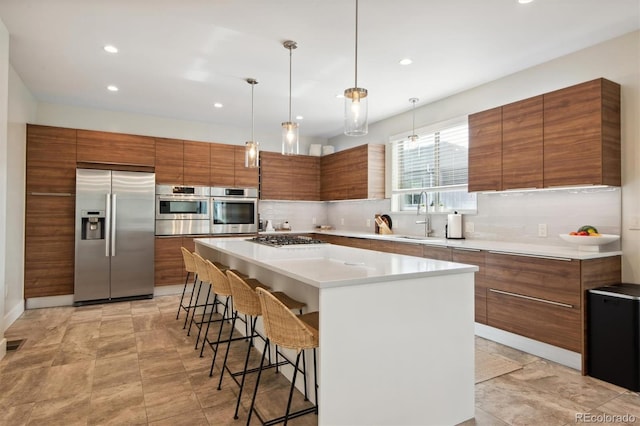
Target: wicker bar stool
{"x": 246, "y": 303}
{"x": 190, "y": 268}
{"x": 287, "y": 330}
{"x": 204, "y": 280}
{"x": 221, "y": 288}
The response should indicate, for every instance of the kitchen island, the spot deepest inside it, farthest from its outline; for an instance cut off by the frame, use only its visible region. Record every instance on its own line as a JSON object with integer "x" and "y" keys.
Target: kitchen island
{"x": 396, "y": 331}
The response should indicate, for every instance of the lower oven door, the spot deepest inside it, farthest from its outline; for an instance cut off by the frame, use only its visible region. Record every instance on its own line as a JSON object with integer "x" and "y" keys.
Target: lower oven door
{"x": 234, "y": 215}
{"x": 183, "y": 227}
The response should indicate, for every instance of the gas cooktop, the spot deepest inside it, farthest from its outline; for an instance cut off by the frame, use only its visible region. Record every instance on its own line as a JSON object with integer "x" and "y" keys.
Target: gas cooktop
{"x": 285, "y": 240}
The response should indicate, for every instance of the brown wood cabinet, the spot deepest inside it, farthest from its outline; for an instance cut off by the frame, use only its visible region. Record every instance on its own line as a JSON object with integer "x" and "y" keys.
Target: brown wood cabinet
{"x": 169, "y": 161}
{"x": 197, "y": 163}
{"x": 169, "y": 266}
{"x": 475, "y": 257}
{"x": 227, "y": 167}
{"x": 355, "y": 173}
{"x": 437, "y": 253}
{"x": 582, "y": 135}
{"x": 522, "y": 144}
{"x": 115, "y": 148}
{"x": 409, "y": 249}
{"x": 51, "y": 160}
{"x": 363, "y": 243}
{"x": 289, "y": 177}
{"x": 485, "y": 150}
{"x": 49, "y": 245}
{"x": 563, "y": 138}
{"x": 544, "y": 298}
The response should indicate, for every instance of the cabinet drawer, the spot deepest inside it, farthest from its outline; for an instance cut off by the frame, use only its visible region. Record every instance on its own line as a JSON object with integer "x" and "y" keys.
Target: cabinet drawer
{"x": 473, "y": 257}
{"x": 437, "y": 253}
{"x": 545, "y": 278}
{"x": 398, "y": 248}
{"x": 537, "y": 319}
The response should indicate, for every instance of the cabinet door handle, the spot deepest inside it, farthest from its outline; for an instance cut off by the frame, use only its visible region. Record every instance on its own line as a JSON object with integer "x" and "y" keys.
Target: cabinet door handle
{"x": 52, "y": 194}
{"x": 466, "y": 249}
{"x": 531, "y": 255}
{"x": 535, "y": 299}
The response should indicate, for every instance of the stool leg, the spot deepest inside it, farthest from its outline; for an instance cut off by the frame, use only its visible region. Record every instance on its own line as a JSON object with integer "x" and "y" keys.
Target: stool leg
{"x": 206, "y": 339}
{"x": 194, "y": 307}
{"x": 193, "y": 290}
{"x": 255, "y": 391}
{"x": 304, "y": 376}
{"x": 315, "y": 379}
{"x": 184, "y": 289}
{"x": 293, "y": 385}
{"x": 204, "y": 313}
{"x": 215, "y": 351}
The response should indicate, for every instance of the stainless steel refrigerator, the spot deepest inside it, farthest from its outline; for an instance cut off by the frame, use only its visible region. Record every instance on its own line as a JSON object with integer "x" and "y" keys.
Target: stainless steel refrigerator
{"x": 114, "y": 235}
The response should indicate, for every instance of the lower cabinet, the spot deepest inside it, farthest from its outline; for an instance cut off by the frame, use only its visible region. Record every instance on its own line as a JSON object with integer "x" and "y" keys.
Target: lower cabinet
{"x": 362, "y": 243}
{"x": 169, "y": 267}
{"x": 398, "y": 248}
{"x": 475, "y": 257}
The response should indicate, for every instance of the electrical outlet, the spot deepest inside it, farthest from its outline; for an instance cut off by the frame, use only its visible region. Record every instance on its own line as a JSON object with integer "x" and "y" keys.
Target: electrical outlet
{"x": 542, "y": 230}
{"x": 342, "y": 221}
{"x": 368, "y": 223}
{"x": 313, "y": 221}
{"x": 469, "y": 227}
{"x": 635, "y": 223}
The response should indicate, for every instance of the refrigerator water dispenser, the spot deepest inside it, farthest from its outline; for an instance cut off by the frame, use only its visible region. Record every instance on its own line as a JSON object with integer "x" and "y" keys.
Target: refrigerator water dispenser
{"x": 93, "y": 225}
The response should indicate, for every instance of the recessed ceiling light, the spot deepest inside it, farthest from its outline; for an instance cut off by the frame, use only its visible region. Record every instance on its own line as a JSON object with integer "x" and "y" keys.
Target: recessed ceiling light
{"x": 112, "y": 88}
{"x": 524, "y": 1}
{"x": 110, "y": 48}
{"x": 299, "y": 117}
{"x": 406, "y": 61}
{"x": 218, "y": 105}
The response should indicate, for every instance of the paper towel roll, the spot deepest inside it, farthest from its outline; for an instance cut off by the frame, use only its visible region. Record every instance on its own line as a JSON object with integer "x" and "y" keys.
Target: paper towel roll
{"x": 454, "y": 225}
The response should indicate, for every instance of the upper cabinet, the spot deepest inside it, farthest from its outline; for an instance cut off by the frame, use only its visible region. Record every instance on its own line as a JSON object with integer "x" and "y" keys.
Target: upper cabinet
{"x": 227, "y": 167}
{"x": 51, "y": 160}
{"x": 196, "y": 163}
{"x": 582, "y": 135}
{"x": 115, "y": 148}
{"x": 563, "y": 138}
{"x": 355, "y": 173}
{"x": 169, "y": 161}
{"x": 289, "y": 177}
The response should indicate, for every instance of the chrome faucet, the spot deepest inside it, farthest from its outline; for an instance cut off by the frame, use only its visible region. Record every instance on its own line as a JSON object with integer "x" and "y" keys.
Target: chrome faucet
{"x": 427, "y": 219}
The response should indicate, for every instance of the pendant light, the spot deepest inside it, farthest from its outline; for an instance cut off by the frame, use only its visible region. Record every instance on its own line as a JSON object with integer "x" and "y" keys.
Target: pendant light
{"x": 251, "y": 148}
{"x": 413, "y": 137}
{"x": 355, "y": 101}
{"x": 289, "y": 128}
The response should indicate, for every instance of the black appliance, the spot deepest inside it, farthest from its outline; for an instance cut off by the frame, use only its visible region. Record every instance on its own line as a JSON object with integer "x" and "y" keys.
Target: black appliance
{"x": 613, "y": 346}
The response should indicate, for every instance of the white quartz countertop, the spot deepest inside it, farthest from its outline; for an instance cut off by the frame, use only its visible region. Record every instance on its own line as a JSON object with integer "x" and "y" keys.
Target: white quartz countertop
{"x": 329, "y": 265}
{"x": 566, "y": 252}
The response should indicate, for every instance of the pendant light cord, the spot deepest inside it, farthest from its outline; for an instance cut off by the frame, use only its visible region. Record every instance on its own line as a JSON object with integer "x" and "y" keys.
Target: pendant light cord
{"x": 290, "y": 60}
{"x": 356, "y": 68}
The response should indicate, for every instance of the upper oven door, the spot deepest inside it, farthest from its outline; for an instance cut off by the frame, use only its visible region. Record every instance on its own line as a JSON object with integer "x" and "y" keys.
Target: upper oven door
{"x": 234, "y": 215}
{"x": 181, "y": 207}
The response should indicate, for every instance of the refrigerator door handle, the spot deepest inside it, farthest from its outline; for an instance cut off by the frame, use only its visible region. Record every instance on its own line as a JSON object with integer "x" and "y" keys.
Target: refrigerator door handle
{"x": 107, "y": 225}
{"x": 113, "y": 224}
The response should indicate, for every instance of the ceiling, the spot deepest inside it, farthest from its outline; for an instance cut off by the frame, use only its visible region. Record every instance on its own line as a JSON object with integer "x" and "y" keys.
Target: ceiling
{"x": 176, "y": 58}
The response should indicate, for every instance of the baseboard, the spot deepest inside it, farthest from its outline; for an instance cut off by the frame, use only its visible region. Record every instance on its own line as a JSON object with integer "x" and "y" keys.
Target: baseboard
{"x": 534, "y": 347}
{"x": 13, "y": 314}
{"x": 3, "y": 347}
{"x": 49, "y": 301}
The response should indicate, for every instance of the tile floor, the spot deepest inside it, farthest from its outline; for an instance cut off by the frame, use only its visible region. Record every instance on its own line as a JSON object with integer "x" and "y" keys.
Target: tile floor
{"x": 132, "y": 363}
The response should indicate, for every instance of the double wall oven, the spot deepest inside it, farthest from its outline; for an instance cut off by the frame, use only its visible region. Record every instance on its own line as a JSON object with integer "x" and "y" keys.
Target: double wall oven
{"x": 183, "y": 210}
{"x": 201, "y": 210}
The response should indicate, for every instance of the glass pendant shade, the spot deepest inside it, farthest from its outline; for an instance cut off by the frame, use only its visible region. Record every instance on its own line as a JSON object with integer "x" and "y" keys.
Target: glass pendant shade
{"x": 355, "y": 112}
{"x": 290, "y": 128}
{"x": 252, "y": 148}
{"x": 289, "y": 138}
{"x": 251, "y": 154}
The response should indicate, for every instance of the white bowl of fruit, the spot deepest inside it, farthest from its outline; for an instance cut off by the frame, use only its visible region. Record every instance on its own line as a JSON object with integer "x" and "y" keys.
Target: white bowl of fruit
{"x": 588, "y": 238}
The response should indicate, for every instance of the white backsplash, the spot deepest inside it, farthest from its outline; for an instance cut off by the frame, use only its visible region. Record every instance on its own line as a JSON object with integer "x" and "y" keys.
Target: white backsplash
{"x": 504, "y": 216}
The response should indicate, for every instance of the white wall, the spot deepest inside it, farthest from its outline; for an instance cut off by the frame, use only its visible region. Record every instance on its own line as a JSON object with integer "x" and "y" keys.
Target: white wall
{"x": 21, "y": 109}
{"x": 150, "y": 125}
{"x": 617, "y": 60}
{"x": 4, "y": 82}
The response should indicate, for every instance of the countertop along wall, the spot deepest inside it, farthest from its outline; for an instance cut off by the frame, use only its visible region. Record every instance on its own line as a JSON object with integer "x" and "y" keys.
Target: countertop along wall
{"x": 617, "y": 60}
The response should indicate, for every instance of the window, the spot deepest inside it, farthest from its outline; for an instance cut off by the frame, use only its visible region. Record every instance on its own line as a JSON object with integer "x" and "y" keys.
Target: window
{"x": 437, "y": 164}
